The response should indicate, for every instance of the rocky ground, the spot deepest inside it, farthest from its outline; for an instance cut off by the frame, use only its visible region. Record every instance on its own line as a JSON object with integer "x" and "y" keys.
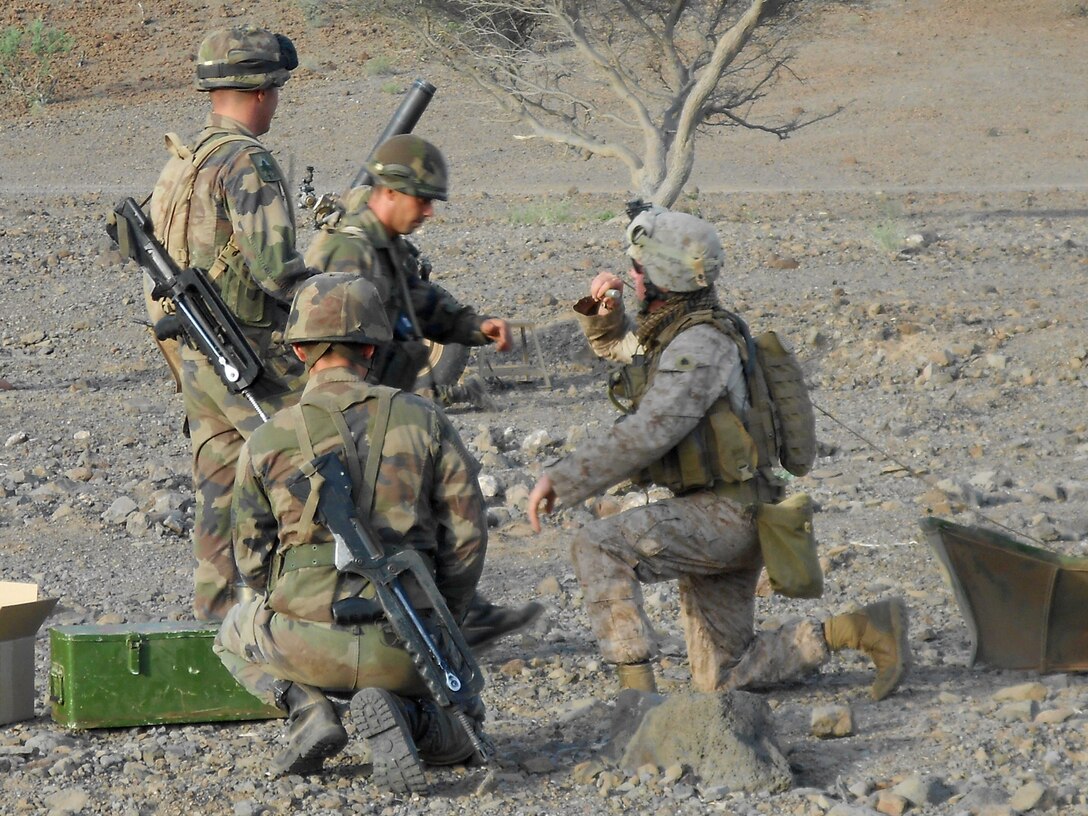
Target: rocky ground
{"x": 925, "y": 259}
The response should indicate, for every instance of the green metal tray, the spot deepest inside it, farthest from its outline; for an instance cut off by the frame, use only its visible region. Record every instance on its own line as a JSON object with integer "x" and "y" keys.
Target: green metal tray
{"x": 144, "y": 674}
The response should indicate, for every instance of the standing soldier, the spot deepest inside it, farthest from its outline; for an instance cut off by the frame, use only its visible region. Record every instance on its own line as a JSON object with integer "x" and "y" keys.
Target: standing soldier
{"x": 685, "y": 377}
{"x": 409, "y": 174}
{"x": 222, "y": 206}
{"x": 313, "y": 629}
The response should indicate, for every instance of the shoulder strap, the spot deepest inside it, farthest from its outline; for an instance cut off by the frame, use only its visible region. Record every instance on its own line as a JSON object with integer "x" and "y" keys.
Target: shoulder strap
{"x": 180, "y": 205}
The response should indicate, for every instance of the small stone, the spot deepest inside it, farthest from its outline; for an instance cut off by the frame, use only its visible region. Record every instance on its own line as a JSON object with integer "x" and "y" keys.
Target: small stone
{"x": 831, "y": 721}
{"x": 1021, "y": 711}
{"x": 585, "y": 773}
{"x": 513, "y": 668}
{"x": 1027, "y": 797}
{"x": 17, "y": 438}
{"x": 1022, "y": 691}
{"x": 119, "y": 511}
{"x": 549, "y": 586}
{"x": 891, "y": 803}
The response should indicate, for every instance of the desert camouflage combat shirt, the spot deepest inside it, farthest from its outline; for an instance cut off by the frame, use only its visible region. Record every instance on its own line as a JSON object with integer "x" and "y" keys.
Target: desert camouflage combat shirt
{"x": 693, "y": 371}
{"x": 426, "y": 497}
{"x": 354, "y": 245}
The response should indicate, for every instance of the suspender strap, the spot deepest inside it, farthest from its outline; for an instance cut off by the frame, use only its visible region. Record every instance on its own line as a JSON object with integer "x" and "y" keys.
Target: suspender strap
{"x": 312, "y": 555}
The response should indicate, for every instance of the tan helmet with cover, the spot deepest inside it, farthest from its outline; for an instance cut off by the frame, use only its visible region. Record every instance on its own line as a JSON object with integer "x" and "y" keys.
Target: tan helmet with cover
{"x": 411, "y": 165}
{"x": 677, "y": 251}
{"x": 336, "y": 307}
{"x": 245, "y": 58}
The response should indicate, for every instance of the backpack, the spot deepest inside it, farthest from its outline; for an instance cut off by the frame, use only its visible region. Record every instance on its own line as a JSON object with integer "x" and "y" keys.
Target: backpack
{"x": 170, "y": 210}
{"x": 781, "y": 419}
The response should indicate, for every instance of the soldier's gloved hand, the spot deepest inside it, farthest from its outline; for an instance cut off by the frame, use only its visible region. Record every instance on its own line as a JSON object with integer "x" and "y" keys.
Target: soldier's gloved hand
{"x": 167, "y": 328}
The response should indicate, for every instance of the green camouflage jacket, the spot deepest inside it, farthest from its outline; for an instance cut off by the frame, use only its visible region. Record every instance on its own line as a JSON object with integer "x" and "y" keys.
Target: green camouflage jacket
{"x": 353, "y": 244}
{"x": 426, "y": 497}
{"x": 241, "y": 226}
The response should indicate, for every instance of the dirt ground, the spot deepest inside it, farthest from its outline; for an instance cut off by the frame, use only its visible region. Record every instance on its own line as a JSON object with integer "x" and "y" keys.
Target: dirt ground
{"x": 925, "y": 250}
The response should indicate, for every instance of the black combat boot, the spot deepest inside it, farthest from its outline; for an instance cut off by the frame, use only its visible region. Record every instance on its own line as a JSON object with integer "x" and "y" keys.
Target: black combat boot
{"x": 485, "y": 622}
{"x": 388, "y": 723}
{"x": 471, "y": 390}
{"x": 440, "y": 738}
{"x": 314, "y": 731}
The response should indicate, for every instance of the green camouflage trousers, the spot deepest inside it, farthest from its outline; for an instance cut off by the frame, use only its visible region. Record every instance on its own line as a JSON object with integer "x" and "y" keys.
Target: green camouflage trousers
{"x": 708, "y": 545}
{"x": 219, "y": 423}
{"x": 259, "y": 647}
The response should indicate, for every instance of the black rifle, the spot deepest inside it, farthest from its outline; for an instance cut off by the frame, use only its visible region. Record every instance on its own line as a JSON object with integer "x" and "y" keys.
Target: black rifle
{"x": 200, "y": 310}
{"x": 404, "y": 119}
{"x": 438, "y": 649}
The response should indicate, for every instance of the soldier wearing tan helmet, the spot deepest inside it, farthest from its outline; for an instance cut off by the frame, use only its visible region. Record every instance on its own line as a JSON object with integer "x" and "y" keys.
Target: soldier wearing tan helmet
{"x": 369, "y": 239}
{"x": 221, "y": 205}
{"x": 687, "y": 390}
{"x": 313, "y": 629}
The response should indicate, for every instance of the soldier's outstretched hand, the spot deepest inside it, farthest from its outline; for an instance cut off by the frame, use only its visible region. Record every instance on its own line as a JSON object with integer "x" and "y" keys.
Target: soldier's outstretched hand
{"x": 497, "y": 331}
{"x": 542, "y": 491}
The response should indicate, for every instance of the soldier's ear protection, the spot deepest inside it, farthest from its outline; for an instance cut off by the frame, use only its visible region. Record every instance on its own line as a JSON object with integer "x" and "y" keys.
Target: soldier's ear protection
{"x": 288, "y": 54}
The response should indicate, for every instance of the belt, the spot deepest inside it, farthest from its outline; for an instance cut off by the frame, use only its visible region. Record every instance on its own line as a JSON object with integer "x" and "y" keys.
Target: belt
{"x": 308, "y": 555}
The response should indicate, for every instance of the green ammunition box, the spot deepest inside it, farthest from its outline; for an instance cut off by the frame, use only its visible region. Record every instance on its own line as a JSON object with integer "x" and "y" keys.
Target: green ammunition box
{"x": 144, "y": 674}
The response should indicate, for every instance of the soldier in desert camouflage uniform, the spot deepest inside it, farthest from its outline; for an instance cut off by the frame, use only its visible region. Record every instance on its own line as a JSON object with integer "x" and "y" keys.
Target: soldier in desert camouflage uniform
{"x": 368, "y": 239}
{"x": 313, "y": 629}
{"x": 686, "y": 380}
{"x": 236, "y": 222}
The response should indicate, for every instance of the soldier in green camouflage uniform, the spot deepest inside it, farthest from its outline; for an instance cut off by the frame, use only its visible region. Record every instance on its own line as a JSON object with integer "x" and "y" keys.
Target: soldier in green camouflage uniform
{"x": 313, "y": 629}
{"x": 234, "y": 219}
{"x": 368, "y": 239}
{"x": 685, "y": 377}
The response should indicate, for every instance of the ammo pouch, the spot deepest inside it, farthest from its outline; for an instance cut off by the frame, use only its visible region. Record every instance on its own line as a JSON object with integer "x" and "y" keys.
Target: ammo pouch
{"x": 788, "y": 544}
{"x": 243, "y": 297}
{"x": 352, "y": 611}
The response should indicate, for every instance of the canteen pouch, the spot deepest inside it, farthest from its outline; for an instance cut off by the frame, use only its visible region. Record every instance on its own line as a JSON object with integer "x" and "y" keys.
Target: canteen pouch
{"x": 788, "y": 544}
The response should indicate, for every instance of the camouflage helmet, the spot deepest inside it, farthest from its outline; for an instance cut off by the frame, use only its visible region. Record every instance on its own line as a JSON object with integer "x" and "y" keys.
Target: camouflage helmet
{"x": 677, "y": 252}
{"x": 336, "y": 307}
{"x": 246, "y": 58}
{"x": 411, "y": 165}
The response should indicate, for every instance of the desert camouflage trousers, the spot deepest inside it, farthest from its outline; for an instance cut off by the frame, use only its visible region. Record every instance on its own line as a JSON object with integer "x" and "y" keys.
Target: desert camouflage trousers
{"x": 708, "y": 544}
{"x": 259, "y": 647}
{"x": 219, "y": 423}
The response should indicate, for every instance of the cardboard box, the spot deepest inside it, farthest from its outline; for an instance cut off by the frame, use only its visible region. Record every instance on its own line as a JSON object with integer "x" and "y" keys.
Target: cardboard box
{"x": 21, "y": 615}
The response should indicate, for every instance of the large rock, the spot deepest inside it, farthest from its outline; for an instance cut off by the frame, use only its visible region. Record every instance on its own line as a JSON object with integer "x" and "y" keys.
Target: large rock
{"x": 725, "y": 739}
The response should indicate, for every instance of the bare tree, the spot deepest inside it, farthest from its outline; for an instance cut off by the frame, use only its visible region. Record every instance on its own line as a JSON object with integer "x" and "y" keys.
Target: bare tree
{"x": 633, "y": 80}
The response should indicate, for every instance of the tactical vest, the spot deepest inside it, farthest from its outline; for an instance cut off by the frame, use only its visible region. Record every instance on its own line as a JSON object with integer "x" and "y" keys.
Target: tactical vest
{"x": 170, "y": 217}
{"x": 725, "y": 448}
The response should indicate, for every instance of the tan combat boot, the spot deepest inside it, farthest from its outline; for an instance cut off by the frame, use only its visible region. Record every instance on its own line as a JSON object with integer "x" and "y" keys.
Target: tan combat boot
{"x": 879, "y": 630}
{"x": 638, "y": 676}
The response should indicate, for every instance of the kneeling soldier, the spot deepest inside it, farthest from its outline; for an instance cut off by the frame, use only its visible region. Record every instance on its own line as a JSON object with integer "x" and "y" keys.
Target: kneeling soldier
{"x": 686, "y": 379}
{"x": 314, "y": 630}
